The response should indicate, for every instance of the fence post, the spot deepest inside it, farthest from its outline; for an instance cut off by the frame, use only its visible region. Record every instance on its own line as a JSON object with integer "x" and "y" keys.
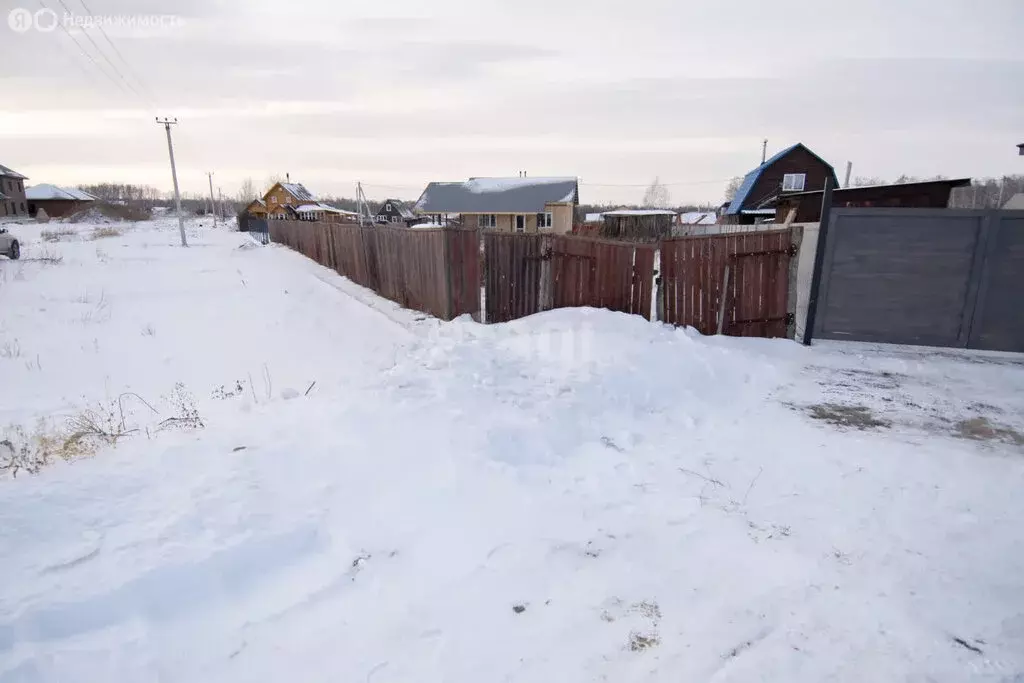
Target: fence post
{"x": 547, "y": 283}
{"x": 446, "y": 265}
{"x": 819, "y": 262}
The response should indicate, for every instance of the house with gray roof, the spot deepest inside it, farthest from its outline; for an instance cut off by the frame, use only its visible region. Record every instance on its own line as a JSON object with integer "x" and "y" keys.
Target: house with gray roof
{"x": 12, "y": 193}
{"x": 504, "y": 204}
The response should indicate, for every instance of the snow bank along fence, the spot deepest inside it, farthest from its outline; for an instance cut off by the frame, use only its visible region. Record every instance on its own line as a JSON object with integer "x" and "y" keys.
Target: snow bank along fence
{"x": 526, "y": 274}
{"x": 257, "y": 228}
{"x": 436, "y": 271}
{"x": 729, "y": 284}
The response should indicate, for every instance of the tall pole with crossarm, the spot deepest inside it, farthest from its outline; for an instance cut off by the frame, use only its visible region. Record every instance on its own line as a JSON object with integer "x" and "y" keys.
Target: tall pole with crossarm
{"x": 174, "y": 176}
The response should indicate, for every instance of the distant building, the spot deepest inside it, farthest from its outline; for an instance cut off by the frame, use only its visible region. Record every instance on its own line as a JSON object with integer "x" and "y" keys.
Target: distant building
{"x": 56, "y": 201}
{"x": 698, "y": 218}
{"x": 282, "y": 198}
{"x": 12, "y": 193}
{"x": 325, "y": 213}
{"x": 396, "y": 212}
{"x": 637, "y": 225}
{"x": 928, "y": 194}
{"x": 794, "y": 169}
{"x": 505, "y": 204}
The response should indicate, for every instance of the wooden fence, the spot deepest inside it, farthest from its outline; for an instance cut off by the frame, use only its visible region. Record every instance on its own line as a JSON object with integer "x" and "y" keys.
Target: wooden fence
{"x": 733, "y": 284}
{"x": 436, "y": 271}
{"x": 527, "y": 274}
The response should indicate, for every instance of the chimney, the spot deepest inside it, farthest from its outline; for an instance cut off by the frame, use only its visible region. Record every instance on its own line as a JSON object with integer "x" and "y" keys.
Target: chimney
{"x": 287, "y": 177}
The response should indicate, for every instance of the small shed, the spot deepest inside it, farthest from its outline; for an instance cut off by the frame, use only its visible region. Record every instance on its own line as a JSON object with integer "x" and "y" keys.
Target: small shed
{"x": 638, "y": 225}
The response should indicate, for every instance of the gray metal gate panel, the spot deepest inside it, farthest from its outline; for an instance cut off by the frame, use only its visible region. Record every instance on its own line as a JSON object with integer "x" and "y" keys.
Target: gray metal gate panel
{"x": 999, "y": 317}
{"x": 898, "y": 276}
{"x": 936, "y": 277}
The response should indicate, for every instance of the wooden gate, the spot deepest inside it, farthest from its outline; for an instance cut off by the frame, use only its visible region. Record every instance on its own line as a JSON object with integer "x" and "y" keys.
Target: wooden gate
{"x": 603, "y": 274}
{"x": 735, "y": 284}
{"x": 513, "y": 265}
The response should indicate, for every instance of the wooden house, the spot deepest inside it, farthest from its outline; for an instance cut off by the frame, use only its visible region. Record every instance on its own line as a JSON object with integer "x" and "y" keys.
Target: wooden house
{"x": 395, "y": 212}
{"x": 637, "y": 225}
{"x": 794, "y": 169}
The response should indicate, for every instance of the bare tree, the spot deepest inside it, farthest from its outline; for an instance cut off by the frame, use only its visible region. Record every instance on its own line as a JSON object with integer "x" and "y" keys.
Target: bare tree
{"x": 732, "y": 187}
{"x": 861, "y": 181}
{"x": 273, "y": 179}
{"x": 656, "y": 195}
{"x": 248, "y": 191}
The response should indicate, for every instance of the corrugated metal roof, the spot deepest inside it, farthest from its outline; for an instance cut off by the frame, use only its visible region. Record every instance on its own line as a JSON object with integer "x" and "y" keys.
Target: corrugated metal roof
{"x": 299, "y": 191}
{"x": 497, "y": 195}
{"x": 751, "y": 178}
{"x": 10, "y": 173}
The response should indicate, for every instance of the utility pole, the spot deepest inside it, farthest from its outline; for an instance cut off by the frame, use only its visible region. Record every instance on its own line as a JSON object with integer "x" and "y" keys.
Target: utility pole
{"x": 220, "y": 198}
{"x": 764, "y": 150}
{"x": 174, "y": 176}
{"x": 213, "y": 202}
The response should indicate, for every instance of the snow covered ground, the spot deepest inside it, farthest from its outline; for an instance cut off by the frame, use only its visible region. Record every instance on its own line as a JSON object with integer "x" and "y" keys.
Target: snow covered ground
{"x": 577, "y": 496}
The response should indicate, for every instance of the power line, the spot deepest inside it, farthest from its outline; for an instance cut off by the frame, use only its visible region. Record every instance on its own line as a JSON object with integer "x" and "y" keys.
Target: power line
{"x": 80, "y": 48}
{"x": 134, "y": 74}
{"x": 104, "y": 56}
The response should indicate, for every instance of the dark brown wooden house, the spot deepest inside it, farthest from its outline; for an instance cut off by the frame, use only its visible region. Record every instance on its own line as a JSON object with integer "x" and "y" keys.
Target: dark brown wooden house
{"x": 794, "y": 169}
{"x": 929, "y": 194}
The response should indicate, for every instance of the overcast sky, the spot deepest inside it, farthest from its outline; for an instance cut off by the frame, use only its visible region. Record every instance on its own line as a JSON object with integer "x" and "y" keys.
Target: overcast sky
{"x": 399, "y": 93}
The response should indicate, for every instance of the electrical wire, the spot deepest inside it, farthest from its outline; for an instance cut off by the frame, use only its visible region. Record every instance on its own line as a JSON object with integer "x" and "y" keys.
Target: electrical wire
{"x": 104, "y": 56}
{"x": 148, "y": 93}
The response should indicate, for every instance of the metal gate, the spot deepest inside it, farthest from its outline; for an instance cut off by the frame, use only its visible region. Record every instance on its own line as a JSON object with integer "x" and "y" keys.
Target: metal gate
{"x": 935, "y": 277}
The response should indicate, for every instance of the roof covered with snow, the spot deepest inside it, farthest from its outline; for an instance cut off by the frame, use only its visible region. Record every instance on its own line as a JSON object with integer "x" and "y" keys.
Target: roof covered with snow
{"x": 698, "y": 218}
{"x": 299, "y": 191}
{"x": 592, "y": 217}
{"x": 326, "y": 208}
{"x": 497, "y": 195}
{"x": 46, "y": 191}
{"x": 1015, "y": 202}
{"x": 399, "y": 206}
{"x": 640, "y": 212}
{"x": 10, "y": 173}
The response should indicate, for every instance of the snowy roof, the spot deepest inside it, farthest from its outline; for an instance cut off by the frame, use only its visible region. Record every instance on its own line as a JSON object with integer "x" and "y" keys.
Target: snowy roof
{"x": 592, "y": 217}
{"x": 299, "y": 191}
{"x": 758, "y": 212}
{"x": 11, "y": 173}
{"x": 640, "y": 212}
{"x": 497, "y": 195}
{"x": 752, "y": 177}
{"x": 46, "y": 191}
{"x": 698, "y": 218}
{"x": 320, "y": 206}
{"x": 399, "y": 206}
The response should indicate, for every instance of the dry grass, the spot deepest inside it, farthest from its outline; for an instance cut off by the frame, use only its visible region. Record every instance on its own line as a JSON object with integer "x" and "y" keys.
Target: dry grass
{"x": 982, "y": 429}
{"x": 100, "y": 233}
{"x": 113, "y": 211}
{"x": 859, "y": 417}
{"x": 56, "y": 235}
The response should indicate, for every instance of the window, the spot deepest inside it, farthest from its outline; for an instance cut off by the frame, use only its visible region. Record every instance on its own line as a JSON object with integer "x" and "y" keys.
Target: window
{"x": 273, "y": 199}
{"x": 395, "y": 219}
{"x": 520, "y": 223}
{"x": 23, "y": 207}
{"x": 488, "y": 220}
{"x": 387, "y": 207}
{"x": 544, "y": 220}
{"x": 381, "y": 218}
{"x": 793, "y": 182}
